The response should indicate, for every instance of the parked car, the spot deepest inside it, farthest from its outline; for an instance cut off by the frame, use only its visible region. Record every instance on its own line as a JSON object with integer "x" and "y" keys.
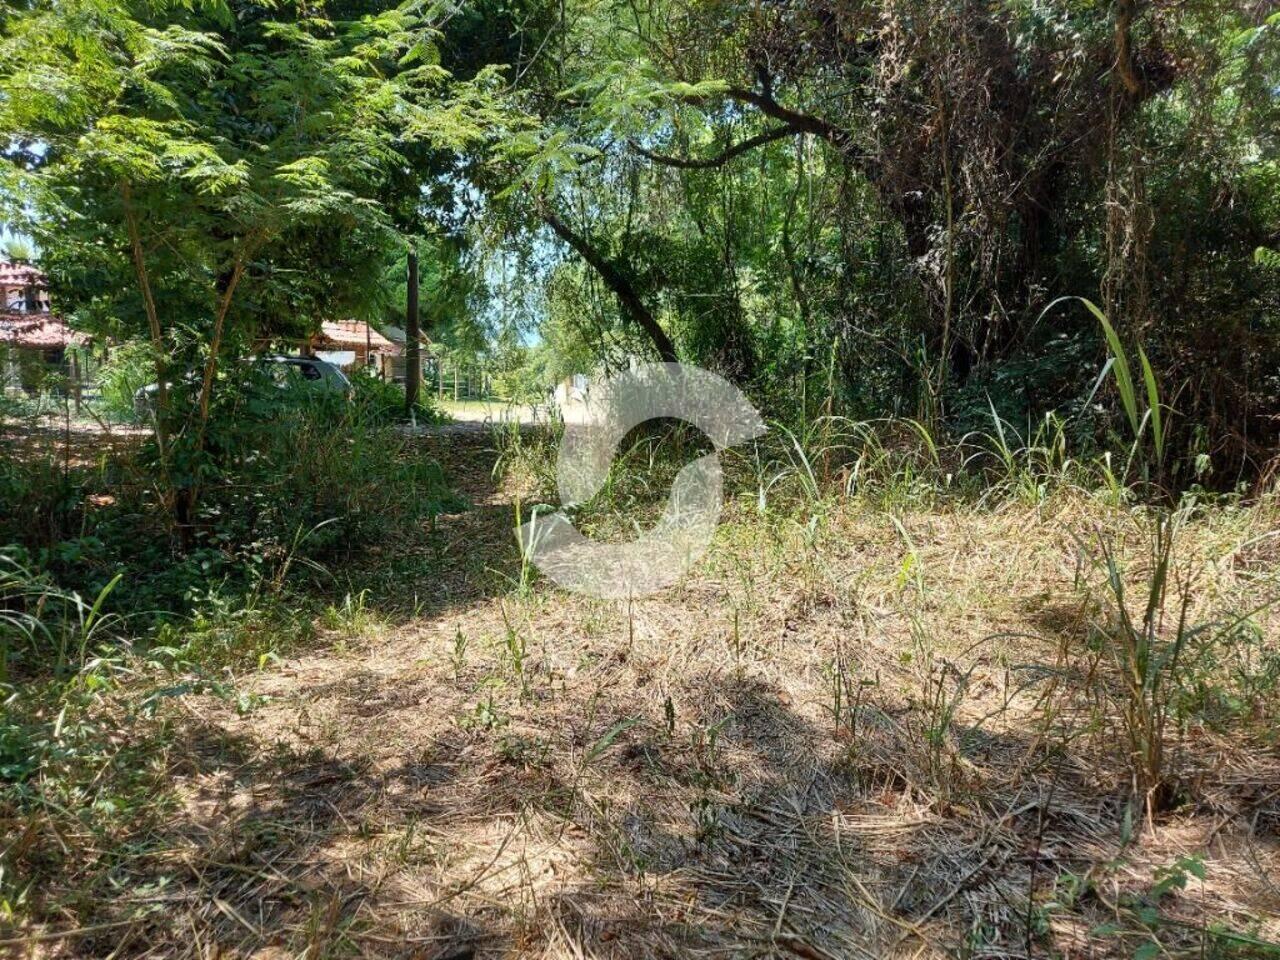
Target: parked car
{"x": 305, "y": 371}
{"x": 287, "y": 373}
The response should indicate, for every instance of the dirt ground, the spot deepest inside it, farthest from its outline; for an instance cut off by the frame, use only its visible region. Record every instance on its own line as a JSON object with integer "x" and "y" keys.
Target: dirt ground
{"x": 831, "y": 740}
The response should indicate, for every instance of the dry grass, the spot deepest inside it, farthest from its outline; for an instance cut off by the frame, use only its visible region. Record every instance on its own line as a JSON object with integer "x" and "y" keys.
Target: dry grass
{"x": 813, "y": 747}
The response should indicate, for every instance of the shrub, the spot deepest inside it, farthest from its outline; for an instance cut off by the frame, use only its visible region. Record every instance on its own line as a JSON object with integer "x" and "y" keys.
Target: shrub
{"x": 1168, "y": 667}
{"x": 380, "y": 401}
{"x": 290, "y": 482}
{"x": 129, "y": 367}
{"x": 323, "y": 475}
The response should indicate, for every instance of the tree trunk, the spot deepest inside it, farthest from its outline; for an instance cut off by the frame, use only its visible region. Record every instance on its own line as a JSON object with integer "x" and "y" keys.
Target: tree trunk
{"x": 188, "y": 498}
{"x": 153, "y": 326}
{"x": 215, "y": 345}
{"x": 412, "y": 352}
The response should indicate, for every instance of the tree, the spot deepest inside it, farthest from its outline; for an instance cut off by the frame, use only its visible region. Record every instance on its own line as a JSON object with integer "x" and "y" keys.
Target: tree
{"x": 200, "y": 147}
{"x": 884, "y": 197}
{"x": 412, "y": 346}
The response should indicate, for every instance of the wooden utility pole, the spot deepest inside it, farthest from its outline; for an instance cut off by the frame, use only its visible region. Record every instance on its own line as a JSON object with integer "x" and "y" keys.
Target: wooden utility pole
{"x": 75, "y": 381}
{"x": 412, "y": 354}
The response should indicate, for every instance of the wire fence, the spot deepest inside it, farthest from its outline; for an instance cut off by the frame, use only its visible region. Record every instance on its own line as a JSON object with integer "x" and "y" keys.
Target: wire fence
{"x": 54, "y": 378}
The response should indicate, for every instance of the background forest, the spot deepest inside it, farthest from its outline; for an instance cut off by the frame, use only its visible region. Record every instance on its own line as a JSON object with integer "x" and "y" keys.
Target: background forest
{"x": 870, "y": 207}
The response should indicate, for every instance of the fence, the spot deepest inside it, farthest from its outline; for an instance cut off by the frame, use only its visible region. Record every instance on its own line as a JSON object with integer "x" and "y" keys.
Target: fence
{"x": 58, "y": 373}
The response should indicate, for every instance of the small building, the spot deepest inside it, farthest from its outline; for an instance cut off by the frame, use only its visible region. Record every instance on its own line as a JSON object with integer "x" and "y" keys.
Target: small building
{"x": 23, "y": 289}
{"x": 353, "y": 345}
{"x": 33, "y": 339}
{"x": 426, "y": 354}
{"x": 573, "y": 390}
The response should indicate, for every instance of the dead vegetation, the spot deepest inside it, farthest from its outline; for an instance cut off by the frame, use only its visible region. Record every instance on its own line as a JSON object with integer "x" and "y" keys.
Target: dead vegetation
{"x": 854, "y": 731}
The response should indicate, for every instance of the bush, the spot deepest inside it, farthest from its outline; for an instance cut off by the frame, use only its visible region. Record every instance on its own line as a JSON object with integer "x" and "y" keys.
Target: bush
{"x": 129, "y": 367}
{"x": 383, "y": 402}
{"x": 289, "y": 482}
{"x": 41, "y": 502}
{"x": 320, "y": 472}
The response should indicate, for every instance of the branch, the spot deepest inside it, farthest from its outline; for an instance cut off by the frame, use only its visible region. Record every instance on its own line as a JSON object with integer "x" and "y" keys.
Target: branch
{"x": 798, "y": 122}
{"x": 219, "y": 324}
{"x": 685, "y": 163}
{"x": 616, "y": 281}
{"x": 153, "y": 325}
{"x": 795, "y": 121}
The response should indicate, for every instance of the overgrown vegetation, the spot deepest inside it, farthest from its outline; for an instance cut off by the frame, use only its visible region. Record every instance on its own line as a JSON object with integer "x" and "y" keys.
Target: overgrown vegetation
{"x": 982, "y": 661}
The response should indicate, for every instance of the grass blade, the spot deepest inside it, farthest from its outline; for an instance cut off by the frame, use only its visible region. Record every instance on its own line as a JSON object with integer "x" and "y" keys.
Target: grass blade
{"x": 1124, "y": 376}
{"x": 1153, "y": 403}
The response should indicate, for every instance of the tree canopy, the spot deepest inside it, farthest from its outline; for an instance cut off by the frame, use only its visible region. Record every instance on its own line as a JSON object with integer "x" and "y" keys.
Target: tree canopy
{"x": 870, "y": 205}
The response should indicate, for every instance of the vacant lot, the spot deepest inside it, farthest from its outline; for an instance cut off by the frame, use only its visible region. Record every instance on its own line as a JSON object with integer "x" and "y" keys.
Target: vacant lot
{"x": 879, "y": 725}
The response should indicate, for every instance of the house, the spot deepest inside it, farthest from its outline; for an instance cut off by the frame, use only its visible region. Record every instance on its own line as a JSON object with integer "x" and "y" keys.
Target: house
{"x": 33, "y": 339}
{"x": 26, "y": 319}
{"x": 573, "y": 390}
{"x": 397, "y": 366}
{"x": 353, "y": 345}
{"x": 23, "y": 289}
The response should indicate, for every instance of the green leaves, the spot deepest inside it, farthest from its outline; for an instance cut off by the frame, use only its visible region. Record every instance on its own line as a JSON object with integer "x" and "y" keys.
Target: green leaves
{"x": 176, "y": 47}
{"x": 546, "y": 158}
{"x": 134, "y": 148}
{"x": 631, "y": 97}
{"x": 1151, "y": 410}
{"x": 1124, "y": 378}
{"x": 1266, "y": 257}
{"x": 230, "y": 135}
{"x": 1153, "y": 404}
{"x": 601, "y": 746}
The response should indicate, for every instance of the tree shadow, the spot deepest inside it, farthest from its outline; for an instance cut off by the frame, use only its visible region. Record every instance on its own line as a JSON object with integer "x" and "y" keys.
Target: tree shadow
{"x": 740, "y": 826}
{"x": 285, "y": 852}
{"x": 784, "y": 850}
{"x": 796, "y": 841}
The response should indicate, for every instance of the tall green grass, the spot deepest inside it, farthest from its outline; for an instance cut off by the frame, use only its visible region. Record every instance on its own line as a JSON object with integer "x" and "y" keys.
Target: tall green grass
{"x": 1143, "y": 409}
{"x": 1163, "y": 661}
{"x": 43, "y": 624}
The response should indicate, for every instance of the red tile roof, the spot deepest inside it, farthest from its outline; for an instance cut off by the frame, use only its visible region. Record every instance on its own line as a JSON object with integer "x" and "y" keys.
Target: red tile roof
{"x": 21, "y": 274}
{"x": 40, "y": 330}
{"x": 353, "y": 333}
